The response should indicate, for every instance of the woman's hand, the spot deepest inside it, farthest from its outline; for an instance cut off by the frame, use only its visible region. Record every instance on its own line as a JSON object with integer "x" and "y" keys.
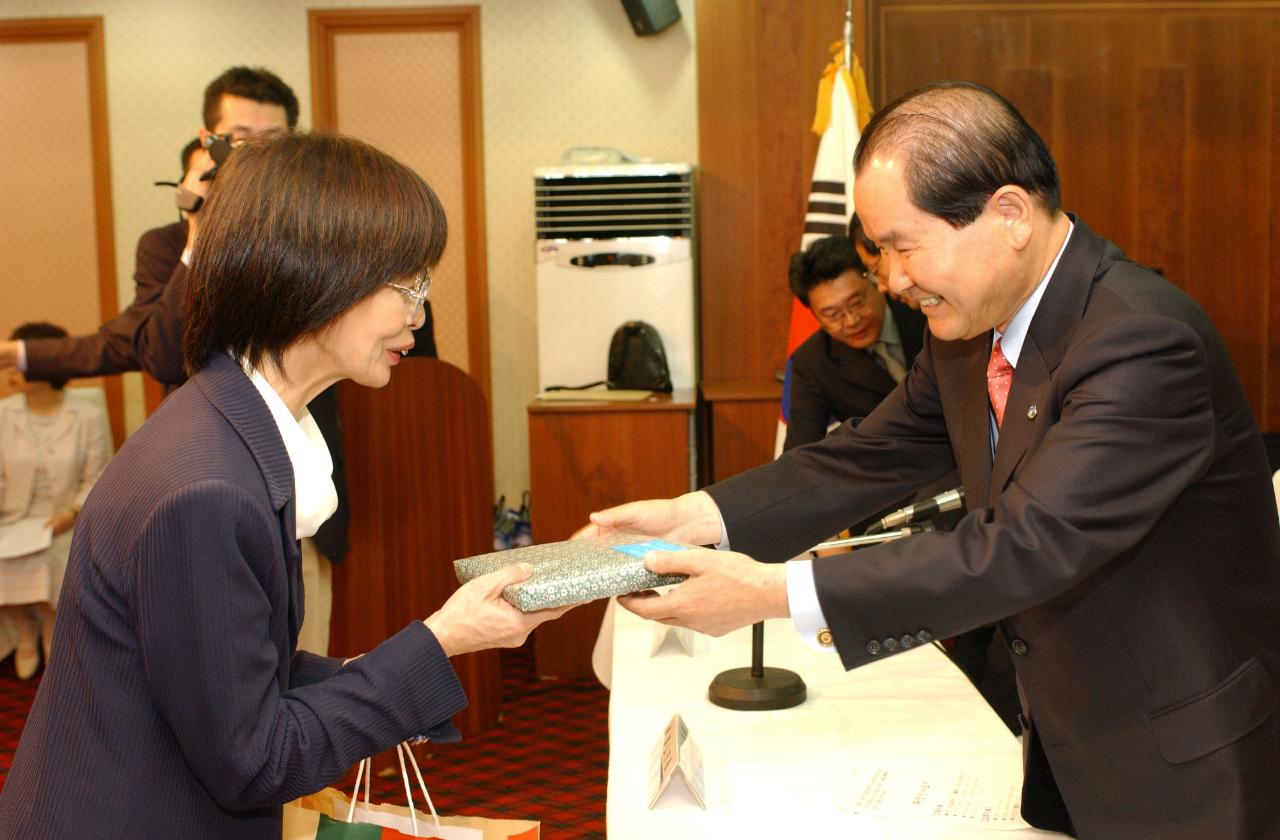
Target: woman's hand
{"x": 61, "y": 522}
{"x": 476, "y": 617}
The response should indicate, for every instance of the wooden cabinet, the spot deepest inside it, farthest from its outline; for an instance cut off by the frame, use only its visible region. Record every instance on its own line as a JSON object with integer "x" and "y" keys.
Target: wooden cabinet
{"x": 584, "y": 456}
{"x": 739, "y": 425}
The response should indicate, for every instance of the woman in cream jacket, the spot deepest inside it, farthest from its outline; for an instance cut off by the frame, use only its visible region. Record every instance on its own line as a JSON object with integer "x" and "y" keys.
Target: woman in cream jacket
{"x": 52, "y": 450}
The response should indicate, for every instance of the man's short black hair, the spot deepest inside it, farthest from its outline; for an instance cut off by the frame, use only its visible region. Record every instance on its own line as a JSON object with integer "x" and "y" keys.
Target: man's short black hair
{"x": 823, "y": 261}
{"x": 40, "y": 329}
{"x": 256, "y": 83}
{"x": 962, "y": 142}
{"x": 859, "y": 236}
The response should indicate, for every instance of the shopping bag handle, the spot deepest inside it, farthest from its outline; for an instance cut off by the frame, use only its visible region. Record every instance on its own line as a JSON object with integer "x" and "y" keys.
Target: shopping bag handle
{"x": 365, "y": 771}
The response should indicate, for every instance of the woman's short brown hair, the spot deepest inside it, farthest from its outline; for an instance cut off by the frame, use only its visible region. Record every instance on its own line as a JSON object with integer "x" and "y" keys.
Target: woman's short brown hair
{"x": 298, "y": 228}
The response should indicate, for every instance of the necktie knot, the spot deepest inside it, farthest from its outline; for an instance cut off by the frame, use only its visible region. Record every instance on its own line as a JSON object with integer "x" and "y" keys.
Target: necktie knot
{"x": 999, "y": 378}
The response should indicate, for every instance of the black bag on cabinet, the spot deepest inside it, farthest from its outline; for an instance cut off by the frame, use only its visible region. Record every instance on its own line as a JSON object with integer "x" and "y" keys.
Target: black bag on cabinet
{"x": 637, "y": 360}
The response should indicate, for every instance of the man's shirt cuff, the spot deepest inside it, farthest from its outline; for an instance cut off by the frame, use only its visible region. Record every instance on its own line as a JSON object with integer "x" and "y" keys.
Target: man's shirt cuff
{"x": 723, "y": 545}
{"x": 806, "y": 612}
{"x": 22, "y": 356}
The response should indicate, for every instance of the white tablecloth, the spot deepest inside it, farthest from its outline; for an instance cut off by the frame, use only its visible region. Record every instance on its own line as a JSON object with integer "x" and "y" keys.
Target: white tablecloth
{"x": 794, "y": 773}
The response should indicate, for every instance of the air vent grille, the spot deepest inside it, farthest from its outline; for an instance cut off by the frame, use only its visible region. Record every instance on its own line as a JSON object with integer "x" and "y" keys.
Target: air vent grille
{"x": 613, "y": 206}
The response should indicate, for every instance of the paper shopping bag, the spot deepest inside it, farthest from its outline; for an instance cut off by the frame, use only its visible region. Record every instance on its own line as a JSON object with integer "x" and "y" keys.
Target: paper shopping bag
{"x": 330, "y": 815}
{"x": 312, "y": 818}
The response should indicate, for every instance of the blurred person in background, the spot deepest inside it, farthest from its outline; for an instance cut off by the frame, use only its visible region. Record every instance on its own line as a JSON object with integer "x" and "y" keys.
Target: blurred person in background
{"x": 52, "y": 450}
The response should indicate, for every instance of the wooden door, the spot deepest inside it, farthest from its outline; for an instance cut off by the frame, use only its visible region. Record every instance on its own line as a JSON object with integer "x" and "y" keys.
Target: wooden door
{"x": 408, "y": 81}
{"x": 56, "y": 230}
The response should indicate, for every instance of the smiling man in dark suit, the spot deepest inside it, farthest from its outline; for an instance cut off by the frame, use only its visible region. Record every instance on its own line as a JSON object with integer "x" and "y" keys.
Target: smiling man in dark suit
{"x": 864, "y": 349}
{"x": 1121, "y": 525}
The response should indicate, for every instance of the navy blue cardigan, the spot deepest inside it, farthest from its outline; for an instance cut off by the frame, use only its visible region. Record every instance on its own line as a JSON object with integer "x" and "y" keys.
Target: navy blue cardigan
{"x": 174, "y": 704}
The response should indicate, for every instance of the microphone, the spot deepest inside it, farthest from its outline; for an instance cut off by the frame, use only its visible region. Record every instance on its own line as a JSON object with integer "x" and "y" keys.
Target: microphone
{"x": 873, "y": 539}
{"x": 941, "y": 503}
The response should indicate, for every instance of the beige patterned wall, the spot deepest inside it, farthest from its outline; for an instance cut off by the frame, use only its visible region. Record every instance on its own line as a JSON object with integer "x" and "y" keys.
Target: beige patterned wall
{"x": 417, "y": 119}
{"x": 556, "y": 73}
{"x": 46, "y": 180}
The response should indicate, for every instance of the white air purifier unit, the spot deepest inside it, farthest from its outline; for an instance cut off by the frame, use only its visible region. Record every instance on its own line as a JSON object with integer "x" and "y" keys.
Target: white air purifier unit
{"x": 614, "y": 244}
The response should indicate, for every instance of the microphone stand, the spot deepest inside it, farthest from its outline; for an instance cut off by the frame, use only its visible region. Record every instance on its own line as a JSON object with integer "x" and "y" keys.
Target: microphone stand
{"x": 761, "y": 689}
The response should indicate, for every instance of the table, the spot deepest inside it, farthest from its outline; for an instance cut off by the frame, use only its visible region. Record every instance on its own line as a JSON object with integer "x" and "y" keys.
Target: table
{"x": 585, "y": 456}
{"x": 781, "y": 773}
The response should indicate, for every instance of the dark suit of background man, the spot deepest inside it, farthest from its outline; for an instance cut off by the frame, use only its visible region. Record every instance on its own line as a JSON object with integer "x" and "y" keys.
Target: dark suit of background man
{"x": 1121, "y": 524}
{"x": 147, "y": 335}
{"x": 864, "y": 349}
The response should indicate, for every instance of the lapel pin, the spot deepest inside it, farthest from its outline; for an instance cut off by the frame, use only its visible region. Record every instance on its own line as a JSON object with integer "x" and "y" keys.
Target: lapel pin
{"x": 1031, "y": 413}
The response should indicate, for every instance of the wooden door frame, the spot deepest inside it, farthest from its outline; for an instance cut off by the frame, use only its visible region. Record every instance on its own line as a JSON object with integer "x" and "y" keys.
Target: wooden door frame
{"x": 324, "y": 26}
{"x": 89, "y": 30}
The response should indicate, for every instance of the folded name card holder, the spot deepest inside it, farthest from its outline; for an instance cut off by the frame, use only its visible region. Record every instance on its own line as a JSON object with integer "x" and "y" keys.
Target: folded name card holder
{"x": 675, "y": 754}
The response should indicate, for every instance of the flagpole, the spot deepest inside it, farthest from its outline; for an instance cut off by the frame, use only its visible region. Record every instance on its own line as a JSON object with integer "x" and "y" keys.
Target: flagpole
{"x": 848, "y": 35}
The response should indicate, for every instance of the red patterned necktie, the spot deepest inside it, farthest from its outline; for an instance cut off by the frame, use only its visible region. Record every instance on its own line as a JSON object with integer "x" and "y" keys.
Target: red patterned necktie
{"x": 999, "y": 378}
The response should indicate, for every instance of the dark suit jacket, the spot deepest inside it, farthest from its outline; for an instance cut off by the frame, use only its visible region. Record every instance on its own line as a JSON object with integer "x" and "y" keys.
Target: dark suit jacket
{"x": 1126, "y": 534}
{"x": 174, "y": 705}
{"x": 110, "y": 349}
{"x": 830, "y": 379}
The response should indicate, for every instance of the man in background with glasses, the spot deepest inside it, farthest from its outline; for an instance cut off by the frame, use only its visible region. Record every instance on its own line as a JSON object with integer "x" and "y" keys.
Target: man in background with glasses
{"x": 864, "y": 349}
{"x": 238, "y": 104}
{"x": 869, "y": 253}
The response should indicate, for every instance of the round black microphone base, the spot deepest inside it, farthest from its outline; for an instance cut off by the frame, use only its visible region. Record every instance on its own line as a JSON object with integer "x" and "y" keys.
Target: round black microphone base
{"x": 775, "y": 688}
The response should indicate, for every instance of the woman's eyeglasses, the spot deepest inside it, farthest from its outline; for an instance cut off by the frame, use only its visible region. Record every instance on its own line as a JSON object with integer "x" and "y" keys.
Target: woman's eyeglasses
{"x": 414, "y": 296}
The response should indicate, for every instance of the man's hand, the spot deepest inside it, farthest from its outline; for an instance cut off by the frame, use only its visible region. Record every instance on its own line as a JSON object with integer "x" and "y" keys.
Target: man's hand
{"x": 724, "y": 591}
{"x": 476, "y": 617}
{"x": 692, "y": 518}
{"x": 201, "y": 162}
{"x": 9, "y": 355}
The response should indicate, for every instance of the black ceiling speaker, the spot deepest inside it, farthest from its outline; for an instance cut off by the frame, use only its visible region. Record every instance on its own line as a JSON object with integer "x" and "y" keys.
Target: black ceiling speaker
{"x": 649, "y": 17}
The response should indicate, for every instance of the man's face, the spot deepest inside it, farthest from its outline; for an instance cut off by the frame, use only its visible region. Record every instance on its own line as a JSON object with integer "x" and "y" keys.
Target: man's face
{"x": 244, "y": 118}
{"x": 966, "y": 281}
{"x": 849, "y": 309}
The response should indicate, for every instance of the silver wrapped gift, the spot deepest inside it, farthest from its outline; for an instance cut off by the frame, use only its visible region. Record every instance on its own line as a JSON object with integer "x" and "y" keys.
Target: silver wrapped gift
{"x": 574, "y": 571}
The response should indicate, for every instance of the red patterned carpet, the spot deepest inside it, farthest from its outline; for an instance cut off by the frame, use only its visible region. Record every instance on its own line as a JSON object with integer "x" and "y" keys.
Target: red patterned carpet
{"x": 548, "y": 761}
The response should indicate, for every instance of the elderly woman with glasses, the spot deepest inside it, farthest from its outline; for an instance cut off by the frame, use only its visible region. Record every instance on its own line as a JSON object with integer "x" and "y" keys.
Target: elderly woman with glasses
{"x": 175, "y": 704}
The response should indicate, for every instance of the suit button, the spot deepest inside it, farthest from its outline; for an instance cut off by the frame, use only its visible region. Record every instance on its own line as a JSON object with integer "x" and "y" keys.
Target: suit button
{"x": 907, "y": 641}
{"x": 873, "y": 647}
{"x": 890, "y": 644}
{"x": 825, "y": 638}
{"x": 1019, "y": 647}
{"x": 924, "y": 637}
